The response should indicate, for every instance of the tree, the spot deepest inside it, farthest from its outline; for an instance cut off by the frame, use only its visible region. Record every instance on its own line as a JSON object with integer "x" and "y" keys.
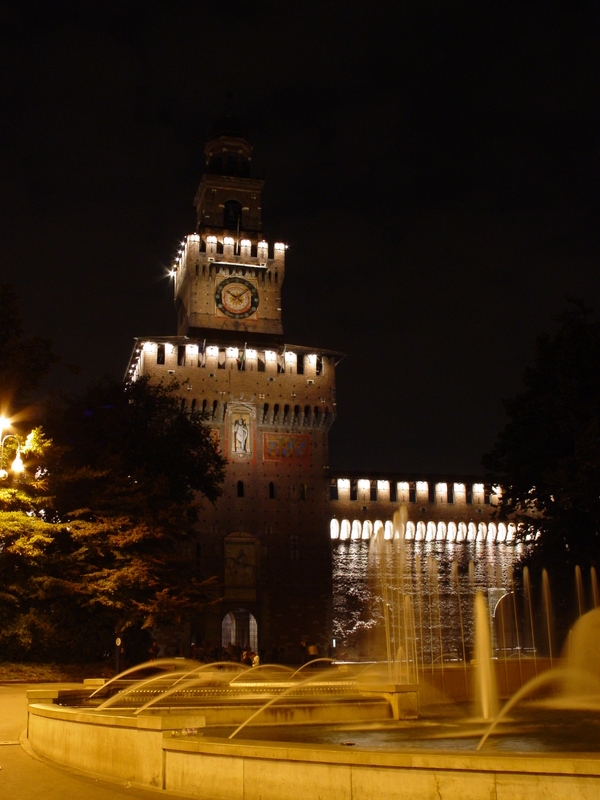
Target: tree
{"x": 112, "y": 547}
{"x": 547, "y": 459}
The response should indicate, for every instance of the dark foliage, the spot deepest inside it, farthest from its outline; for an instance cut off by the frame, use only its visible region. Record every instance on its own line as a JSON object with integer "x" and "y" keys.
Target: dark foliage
{"x": 547, "y": 459}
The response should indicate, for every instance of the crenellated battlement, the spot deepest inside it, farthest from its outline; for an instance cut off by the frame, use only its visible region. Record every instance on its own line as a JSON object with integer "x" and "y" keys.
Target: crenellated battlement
{"x": 230, "y": 250}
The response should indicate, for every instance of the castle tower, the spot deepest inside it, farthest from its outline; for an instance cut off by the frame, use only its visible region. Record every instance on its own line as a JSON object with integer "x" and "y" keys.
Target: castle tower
{"x": 269, "y": 406}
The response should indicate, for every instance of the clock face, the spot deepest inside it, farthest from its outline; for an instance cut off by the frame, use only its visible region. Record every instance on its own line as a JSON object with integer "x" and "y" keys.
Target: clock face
{"x": 237, "y": 298}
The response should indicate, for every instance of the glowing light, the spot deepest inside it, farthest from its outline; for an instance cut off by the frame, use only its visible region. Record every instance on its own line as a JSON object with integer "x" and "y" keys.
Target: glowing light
{"x": 459, "y": 489}
{"x": 17, "y": 465}
{"x": 4, "y": 423}
{"x": 232, "y": 352}
{"x": 478, "y": 488}
{"x": 312, "y": 359}
{"x": 279, "y": 246}
{"x": 343, "y": 483}
{"x": 364, "y": 484}
{"x": 345, "y": 531}
{"x": 403, "y": 486}
{"x": 290, "y": 356}
{"x": 192, "y": 349}
{"x": 212, "y": 351}
{"x": 211, "y": 240}
{"x": 383, "y": 486}
{"x": 270, "y": 355}
{"x": 334, "y": 529}
{"x": 251, "y": 355}
{"x": 367, "y": 529}
{"x": 228, "y": 240}
{"x": 356, "y": 530}
{"x": 246, "y": 243}
{"x": 421, "y": 487}
{"x": 441, "y": 488}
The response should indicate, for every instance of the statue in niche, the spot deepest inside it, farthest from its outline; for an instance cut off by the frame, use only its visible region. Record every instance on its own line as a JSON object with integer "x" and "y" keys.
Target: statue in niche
{"x": 240, "y": 432}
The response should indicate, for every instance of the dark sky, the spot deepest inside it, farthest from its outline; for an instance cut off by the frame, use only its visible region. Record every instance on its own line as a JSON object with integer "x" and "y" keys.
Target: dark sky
{"x": 434, "y": 173}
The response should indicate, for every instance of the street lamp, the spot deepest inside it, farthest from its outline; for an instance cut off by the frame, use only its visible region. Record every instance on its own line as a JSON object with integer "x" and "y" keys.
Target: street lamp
{"x": 17, "y": 465}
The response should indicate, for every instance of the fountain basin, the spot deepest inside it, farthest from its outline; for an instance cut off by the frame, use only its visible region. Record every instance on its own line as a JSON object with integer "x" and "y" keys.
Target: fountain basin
{"x": 146, "y": 751}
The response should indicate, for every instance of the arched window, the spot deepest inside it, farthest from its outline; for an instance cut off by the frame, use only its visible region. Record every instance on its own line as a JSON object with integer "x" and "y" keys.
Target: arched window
{"x": 471, "y": 532}
{"x": 240, "y": 488}
{"x": 271, "y": 491}
{"x": 441, "y": 532}
{"x": 367, "y": 529}
{"x": 356, "y": 530}
{"x": 334, "y": 529}
{"x": 410, "y": 530}
{"x": 265, "y": 412}
{"x": 232, "y": 215}
{"x": 345, "y": 531}
{"x": 451, "y": 534}
{"x": 388, "y": 530}
{"x": 430, "y": 535}
{"x": 194, "y": 404}
{"x": 481, "y": 532}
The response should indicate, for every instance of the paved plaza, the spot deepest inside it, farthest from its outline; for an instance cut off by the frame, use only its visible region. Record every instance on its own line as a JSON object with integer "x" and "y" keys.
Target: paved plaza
{"x": 24, "y": 775}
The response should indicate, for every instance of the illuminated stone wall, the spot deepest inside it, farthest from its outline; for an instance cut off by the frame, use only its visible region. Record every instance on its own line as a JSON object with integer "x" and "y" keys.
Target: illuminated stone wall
{"x": 267, "y": 537}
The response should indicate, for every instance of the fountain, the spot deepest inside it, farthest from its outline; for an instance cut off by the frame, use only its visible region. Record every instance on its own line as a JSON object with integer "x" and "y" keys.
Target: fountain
{"x": 421, "y": 721}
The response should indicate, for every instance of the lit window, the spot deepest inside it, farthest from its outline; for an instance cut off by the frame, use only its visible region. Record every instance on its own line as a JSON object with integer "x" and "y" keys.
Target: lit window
{"x": 364, "y": 484}
{"x": 251, "y": 355}
{"x": 212, "y": 351}
{"x": 422, "y": 487}
{"x": 232, "y": 352}
{"x": 270, "y": 355}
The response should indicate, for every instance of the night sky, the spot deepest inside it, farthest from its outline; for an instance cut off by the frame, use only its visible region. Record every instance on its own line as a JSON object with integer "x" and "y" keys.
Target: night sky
{"x": 435, "y": 175}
